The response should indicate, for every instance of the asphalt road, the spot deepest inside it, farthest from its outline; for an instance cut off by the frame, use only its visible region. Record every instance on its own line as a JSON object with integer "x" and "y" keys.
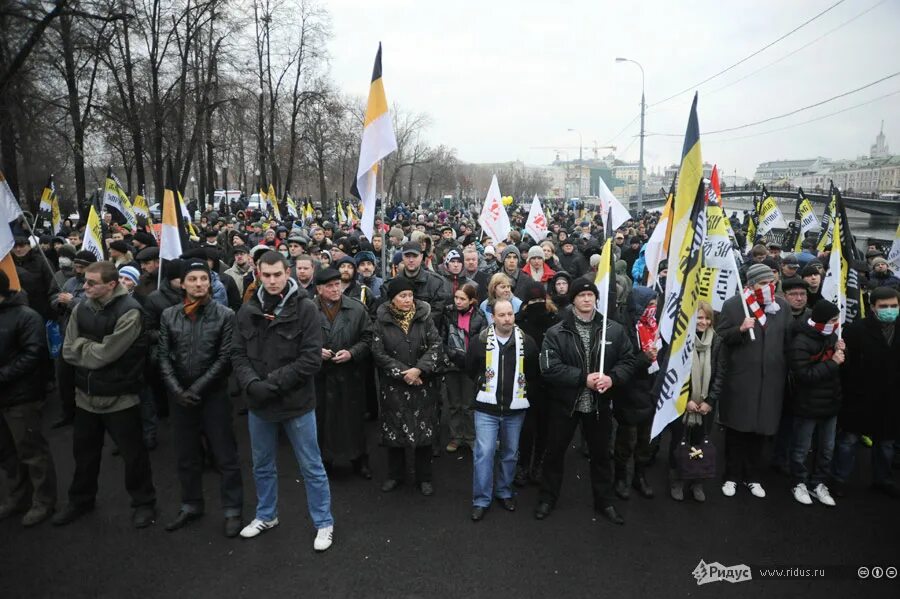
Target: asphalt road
{"x": 404, "y": 545}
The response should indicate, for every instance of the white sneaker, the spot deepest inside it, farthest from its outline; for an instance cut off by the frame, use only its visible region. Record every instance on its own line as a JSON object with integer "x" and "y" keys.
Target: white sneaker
{"x": 757, "y": 490}
{"x": 801, "y": 494}
{"x": 323, "y": 538}
{"x": 258, "y": 526}
{"x": 729, "y": 488}
{"x": 823, "y": 495}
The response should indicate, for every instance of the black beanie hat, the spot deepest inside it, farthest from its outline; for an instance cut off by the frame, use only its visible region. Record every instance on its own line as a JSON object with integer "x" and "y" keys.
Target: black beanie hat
{"x": 824, "y": 311}
{"x": 172, "y": 269}
{"x": 583, "y": 284}
{"x": 809, "y": 270}
{"x": 399, "y": 284}
{"x": 119, "y": 246}
{"x": 534, "y": 290}
{"x": 192, "y": 265}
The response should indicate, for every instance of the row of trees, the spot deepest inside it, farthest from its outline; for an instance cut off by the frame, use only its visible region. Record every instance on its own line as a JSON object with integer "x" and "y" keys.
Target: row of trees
{"x": 234, "y": 93}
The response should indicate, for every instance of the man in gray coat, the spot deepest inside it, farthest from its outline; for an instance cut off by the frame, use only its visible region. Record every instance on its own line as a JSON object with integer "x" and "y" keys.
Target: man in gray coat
{"x": 750, "y": 408}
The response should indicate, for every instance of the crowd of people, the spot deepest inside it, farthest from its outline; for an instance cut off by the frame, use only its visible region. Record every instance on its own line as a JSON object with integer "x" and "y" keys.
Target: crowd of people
{"x": 450, "y": 341}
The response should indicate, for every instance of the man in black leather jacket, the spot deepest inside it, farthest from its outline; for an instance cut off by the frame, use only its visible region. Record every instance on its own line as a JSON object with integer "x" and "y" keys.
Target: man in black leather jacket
{"x": 581, "y": 391}
{"x": 194, "y": 361}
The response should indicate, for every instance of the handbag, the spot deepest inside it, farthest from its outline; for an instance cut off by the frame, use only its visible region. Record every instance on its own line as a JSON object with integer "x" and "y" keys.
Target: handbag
{"x": 695, "y": 461}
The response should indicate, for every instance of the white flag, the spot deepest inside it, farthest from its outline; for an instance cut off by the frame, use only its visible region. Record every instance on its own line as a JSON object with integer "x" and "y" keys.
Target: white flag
{"x": 9, "y": 212}
{"x": 894, "y": 253}
{"x": 609, "y": 204}
{"x": 536, "y": 225}
{"x": 494, "y": 220}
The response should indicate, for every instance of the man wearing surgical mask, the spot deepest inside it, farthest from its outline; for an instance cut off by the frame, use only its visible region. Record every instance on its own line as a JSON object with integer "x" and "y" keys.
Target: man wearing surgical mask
{"x": 869, "y": 378}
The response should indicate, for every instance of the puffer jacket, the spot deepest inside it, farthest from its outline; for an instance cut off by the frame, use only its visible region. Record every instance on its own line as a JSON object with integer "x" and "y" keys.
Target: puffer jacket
{"x": 23, "y": 352}
{"x": 815, "y": 377}
{"x": 565, "y": 366}
{"x": 285, "y": 352}
{"x": 196, "y": 354}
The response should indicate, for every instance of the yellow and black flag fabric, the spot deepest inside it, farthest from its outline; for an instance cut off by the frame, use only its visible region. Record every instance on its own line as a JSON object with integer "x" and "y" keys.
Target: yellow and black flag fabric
{"x": 115, "y": 197}
{"x": 679, "y": 311}
{"x": 45, "y": 208}
{"x": 805, "y": 219}
{"x": 378, "y": 140}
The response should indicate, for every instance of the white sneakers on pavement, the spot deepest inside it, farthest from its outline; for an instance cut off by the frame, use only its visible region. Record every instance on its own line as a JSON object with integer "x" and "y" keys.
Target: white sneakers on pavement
{"x": 756, "y": 490}
{"x": 324, "y": 538}
{"x": 801, "y": 494}
{"x": 823, "y": 495}
{"x": 729, "y": 488}
{"x": 258, "y": 526}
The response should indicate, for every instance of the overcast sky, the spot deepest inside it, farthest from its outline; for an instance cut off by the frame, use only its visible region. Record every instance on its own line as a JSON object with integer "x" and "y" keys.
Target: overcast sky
{"x": 500, "y": 77}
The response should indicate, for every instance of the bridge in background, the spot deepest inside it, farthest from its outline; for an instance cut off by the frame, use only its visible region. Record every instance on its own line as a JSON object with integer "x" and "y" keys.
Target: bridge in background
{"x": 868, "y": 205}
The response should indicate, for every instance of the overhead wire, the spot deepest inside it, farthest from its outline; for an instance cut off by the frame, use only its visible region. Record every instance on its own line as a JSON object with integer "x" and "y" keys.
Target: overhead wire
{"x": 751, "y": 55}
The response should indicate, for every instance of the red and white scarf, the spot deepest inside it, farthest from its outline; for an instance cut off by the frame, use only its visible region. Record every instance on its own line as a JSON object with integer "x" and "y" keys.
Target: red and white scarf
{"x": 826, "y": 328}
{"x": 761, "y": 302}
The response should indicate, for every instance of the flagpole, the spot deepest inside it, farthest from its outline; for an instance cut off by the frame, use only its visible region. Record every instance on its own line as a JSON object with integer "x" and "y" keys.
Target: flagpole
{"x": 603, "y": 335}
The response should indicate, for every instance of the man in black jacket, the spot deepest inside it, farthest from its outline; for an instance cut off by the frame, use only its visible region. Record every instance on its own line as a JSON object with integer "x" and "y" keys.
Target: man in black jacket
{"x": 106, "y": 345}
{"x": 571, "y": 260}
{"x": 35, "y": 277}
{"x": 580, "y": 392}
{"x": 428, "y": 287}
{"x": 503, "y": 361}
{"x": 194, "y": 361}
{"x": 276, "y": 353}
{"x": 24, "y": 453}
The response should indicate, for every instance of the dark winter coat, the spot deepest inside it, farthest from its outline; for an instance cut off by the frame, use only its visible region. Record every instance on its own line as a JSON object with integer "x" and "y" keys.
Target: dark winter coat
{"x": 757, "y": 370}
{"x": 814, "y": 377}
{"x": 870, "y": 379}
{"x": 636, "y": 405}
{"x": 536, "y": 320}
{"x": 575, "y": 263}
{"x": 476, "y": 363}
{"x": 408, "y": 413}
{"x": 565, "y": 367}
{"x": 456, "y": 340}
{"x": 285, "y": 352}
{"x": 36, "y": 281}
{"x": 340, "y": 395}
{"x": 23, "y": 352}
{"x": 196, "y": 354}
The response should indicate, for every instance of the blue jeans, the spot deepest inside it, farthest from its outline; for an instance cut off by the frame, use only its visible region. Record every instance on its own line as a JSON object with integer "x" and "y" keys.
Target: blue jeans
{"x": 487, "y": 429}
{"x": 801, "y": 439}
{"x": 301, "y": 432}
{"x": 845, "y": 458}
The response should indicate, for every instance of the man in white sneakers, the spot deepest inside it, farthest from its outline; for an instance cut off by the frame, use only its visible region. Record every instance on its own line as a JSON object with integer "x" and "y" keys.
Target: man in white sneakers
{"x": 276, "y": 353}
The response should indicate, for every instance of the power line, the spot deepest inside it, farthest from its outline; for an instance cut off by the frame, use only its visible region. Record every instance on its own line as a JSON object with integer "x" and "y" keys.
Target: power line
{"x": 746, "y": 58}
{"x": 801, "y": 48}
{"x": 787, "y": 114}
{"x": 609, "y": 143}
{"x": 813, "y": 120}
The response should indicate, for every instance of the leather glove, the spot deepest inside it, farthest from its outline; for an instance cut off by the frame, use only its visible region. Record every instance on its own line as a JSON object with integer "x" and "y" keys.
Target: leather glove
{"x": 188, "y": 399}
{"x": 262, "y": 391}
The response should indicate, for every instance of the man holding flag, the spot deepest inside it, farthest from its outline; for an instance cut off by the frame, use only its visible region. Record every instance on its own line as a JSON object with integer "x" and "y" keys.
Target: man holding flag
{"x": 583, "y": 358}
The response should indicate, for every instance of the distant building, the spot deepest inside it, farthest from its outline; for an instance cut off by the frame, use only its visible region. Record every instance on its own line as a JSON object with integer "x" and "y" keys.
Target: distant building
{"x": 877, "y": 173}
{"x": 880, "y": 148}
{"x": 779, "y": 171}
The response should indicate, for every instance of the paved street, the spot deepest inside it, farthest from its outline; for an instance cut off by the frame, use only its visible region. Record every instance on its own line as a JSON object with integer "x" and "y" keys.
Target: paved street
{"x": 406, "y": 545}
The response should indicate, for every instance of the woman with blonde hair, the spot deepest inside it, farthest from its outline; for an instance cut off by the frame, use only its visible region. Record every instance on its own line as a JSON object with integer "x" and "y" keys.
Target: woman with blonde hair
{"x": 707, "y": 382}
{"x": 499, "y": 287}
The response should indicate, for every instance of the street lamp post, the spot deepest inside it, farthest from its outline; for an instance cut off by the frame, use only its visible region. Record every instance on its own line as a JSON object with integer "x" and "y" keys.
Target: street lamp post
{"x": 580, "y": 169}
{"x": 640, "y": 205}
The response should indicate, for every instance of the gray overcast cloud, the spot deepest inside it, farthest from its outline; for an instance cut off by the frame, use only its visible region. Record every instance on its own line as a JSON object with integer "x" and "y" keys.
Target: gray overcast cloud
{"x": 501, "y": 77}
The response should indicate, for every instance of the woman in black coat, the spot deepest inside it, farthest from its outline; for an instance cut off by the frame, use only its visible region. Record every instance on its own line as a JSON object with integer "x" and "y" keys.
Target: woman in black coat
{"x": 460, "y": 327}
{"x": 406, "y": 347}
{"x": 537, "y": 314}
